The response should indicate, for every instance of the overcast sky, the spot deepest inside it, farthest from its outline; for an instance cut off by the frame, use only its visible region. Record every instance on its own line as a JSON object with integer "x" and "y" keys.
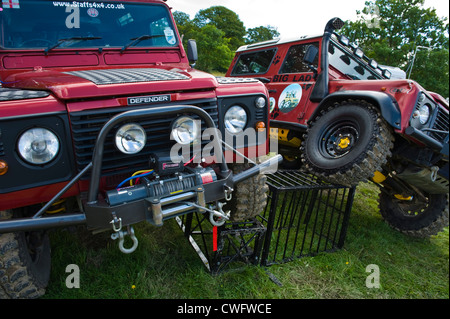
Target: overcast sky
{"x": 291, "y": 17}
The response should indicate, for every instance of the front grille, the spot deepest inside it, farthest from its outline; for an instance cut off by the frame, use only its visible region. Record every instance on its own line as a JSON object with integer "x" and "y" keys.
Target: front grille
{"x": 87, "y": 124}
{"x": 260, "y": 114}
{"x": 440, "y": 124}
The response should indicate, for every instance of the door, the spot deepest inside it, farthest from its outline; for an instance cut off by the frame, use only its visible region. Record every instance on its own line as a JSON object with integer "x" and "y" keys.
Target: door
{"x": 291, "y": 87}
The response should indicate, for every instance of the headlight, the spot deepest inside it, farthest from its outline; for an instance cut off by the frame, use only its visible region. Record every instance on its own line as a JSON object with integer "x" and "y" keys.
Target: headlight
{"x": 235, "y": 119}
{"x": 38, "y": 146}
{"x": 131, "y": 138}
{"x": 423, "y": 114}
{"x": 185, "y": 130}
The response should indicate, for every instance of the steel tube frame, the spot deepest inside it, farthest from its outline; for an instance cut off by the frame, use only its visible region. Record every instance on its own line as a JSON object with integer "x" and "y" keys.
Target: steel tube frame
{"x": 97, "y": 156}
{"x": 41, "y": 223}
{"x": 37, "y": 222}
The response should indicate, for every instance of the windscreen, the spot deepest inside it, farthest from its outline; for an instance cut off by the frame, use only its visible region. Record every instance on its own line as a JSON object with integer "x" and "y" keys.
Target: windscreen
{"x": 254, "y": 62}
{"x": 30, "y": 24}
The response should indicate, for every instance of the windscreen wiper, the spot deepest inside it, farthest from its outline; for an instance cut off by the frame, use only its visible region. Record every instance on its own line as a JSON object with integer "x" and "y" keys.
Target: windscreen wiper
{"x": 61, "y": 41}
{"x": 135, "y": 41}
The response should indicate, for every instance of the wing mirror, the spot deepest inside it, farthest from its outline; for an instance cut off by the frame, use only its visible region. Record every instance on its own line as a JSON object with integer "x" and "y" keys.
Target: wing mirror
{"x": 310, "y": 57}
{"x": 192, "y": 52}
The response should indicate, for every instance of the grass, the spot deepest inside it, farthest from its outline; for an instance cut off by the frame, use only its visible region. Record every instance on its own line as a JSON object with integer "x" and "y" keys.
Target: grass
{"x": 166, "y": 267}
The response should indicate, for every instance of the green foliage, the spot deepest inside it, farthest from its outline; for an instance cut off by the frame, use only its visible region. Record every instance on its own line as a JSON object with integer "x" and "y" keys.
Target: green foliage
{"x": 185, "y": 25}
{"x": 213, "y": 49}
{"x": 225, "y": 20}
{"x": 391, "y": 30}
{"x": 432, "y": 68}
{"x": 218, "y": 32}
{"x": 212, "y": 43}
{"x": 259, "y": 34}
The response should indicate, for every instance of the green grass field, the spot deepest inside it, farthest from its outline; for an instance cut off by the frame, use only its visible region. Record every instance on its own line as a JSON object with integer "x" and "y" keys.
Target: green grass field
{"x": 165, "y": 266}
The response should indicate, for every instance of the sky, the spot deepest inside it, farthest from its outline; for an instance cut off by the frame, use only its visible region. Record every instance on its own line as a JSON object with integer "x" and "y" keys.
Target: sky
{"x": 292, "y": 18}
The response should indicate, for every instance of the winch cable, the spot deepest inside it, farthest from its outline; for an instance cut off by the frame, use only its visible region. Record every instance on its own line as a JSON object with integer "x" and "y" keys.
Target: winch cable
{"x": 238, "y": 153}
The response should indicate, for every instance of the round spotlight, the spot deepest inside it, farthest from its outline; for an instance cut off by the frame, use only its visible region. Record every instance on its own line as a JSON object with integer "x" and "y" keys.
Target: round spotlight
{"x": 131, "y": 138}
{"x": 185, "y": 130}
{"x": 38, "y": 146}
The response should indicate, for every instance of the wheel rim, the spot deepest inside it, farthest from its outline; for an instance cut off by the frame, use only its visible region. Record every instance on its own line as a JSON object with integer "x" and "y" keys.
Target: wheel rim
{"x": 412, "y": 208}
{"x": 338, "y": 139}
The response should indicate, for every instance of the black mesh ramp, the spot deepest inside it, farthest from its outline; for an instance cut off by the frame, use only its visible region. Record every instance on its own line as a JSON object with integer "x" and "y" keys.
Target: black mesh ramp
{"x": 304, "y": 216}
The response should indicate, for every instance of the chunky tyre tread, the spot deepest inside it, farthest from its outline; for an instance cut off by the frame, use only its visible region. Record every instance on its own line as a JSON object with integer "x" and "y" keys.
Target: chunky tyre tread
{"x": 436, "y": 220}
{"x": 363, "y": 167}
{"x": 249, "y": 197}
{"x": 15, "y": 280}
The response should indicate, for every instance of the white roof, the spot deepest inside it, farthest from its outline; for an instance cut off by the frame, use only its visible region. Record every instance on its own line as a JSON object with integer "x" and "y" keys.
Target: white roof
{"x": 275, "y": 41}
{"x": 397, "y": 73}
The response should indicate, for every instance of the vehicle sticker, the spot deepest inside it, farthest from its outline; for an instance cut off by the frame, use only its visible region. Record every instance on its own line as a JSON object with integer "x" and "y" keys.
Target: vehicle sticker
{"x": 170, "y": 35}
{"x": 290, "y": 97}
{"x": 272, "y": 104}
{"x": 11, "y": 4}
{"x": 124, "y": 20}
{"x": 276, "y": 60}
{"x": 92, "y": 12}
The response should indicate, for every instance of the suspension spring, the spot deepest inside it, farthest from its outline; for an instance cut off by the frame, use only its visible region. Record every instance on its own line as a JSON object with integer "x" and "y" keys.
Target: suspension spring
{"x": 57, "y": 207}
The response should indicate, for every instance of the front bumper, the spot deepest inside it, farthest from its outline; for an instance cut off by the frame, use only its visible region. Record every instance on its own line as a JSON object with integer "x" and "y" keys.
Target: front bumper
{"x": 435, "y": 145}
{"x": 99, "y": 215}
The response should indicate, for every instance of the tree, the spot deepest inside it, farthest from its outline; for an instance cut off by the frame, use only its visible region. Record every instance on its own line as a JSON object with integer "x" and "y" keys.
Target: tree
{"x": 260, "y": 34}
{"x": 213, "y": 47}
{"x": 432, "y": 68}
{"x": 218, "y": 32}
{"x": 393, "y": 32}
{"x": 225, "y": 20}
{"x": 213, "y": 50}
{"x": 184, "y": 24}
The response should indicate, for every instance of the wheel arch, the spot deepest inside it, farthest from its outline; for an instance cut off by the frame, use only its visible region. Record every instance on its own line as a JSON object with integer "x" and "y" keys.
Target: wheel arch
{"x": 387, "y": 105}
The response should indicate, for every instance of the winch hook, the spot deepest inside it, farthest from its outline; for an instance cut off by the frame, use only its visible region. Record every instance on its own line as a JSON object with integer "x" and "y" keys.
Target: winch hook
{"x": 221, "y": 216}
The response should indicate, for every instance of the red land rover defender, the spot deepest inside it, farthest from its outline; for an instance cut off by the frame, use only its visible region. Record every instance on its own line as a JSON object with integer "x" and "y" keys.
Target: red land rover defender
{"x": 339, "y": 114}
{"x": 105, "y": 123}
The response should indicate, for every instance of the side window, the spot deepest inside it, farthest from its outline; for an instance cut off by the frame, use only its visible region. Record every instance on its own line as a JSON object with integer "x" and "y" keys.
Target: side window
{"x": 294, "y": 59}
{"x": 254, "y": 62}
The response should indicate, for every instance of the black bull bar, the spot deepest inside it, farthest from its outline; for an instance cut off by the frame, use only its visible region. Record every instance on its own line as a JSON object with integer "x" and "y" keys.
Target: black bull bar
{"x": 99, "y": 215}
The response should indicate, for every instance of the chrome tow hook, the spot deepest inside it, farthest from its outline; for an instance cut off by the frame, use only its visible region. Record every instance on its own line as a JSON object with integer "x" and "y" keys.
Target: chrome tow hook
{"x": 219, "y": 218}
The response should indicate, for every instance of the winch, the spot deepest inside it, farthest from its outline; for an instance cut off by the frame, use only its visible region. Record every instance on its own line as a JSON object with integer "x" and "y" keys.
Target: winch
{"x": 168, "y": 188}
{"x": 161, "y": 186}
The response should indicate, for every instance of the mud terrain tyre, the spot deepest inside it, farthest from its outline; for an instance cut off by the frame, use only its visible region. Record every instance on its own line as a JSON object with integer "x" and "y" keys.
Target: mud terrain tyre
{"x": 415, "y": 218}
{"x": 249, "y": 197}
{"x": 347, "y": 143}
{"x": 24, "y": 263}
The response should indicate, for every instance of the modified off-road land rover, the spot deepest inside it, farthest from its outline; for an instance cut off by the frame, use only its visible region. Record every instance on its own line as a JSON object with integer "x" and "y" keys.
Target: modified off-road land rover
{"x": 105, "y": 123}
{"x": 338, "y": 113}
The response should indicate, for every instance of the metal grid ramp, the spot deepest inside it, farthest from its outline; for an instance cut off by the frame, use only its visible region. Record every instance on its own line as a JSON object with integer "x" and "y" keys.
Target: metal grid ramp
{"x": 304, "y": 216}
